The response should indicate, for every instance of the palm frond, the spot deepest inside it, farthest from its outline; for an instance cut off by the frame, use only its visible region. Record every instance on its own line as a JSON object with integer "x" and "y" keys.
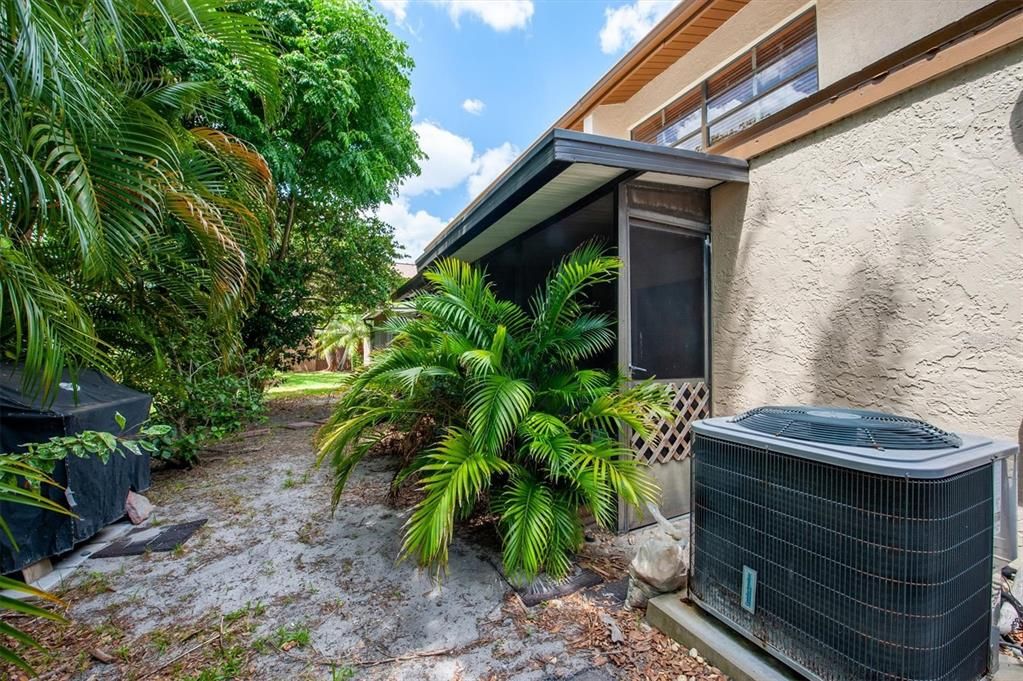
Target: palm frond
{"x": 455, "y": 475}
{"x": 21, "y": 484}
{"x": 566, "y": 535}
{"x": 557, "y": 303}
{"x": 608, "y": 468}
{"x": 496, "y": 406}
{"x": 42, "y": 323}
{"x": 526, "y": 510}
{"x": 637, "y": 408}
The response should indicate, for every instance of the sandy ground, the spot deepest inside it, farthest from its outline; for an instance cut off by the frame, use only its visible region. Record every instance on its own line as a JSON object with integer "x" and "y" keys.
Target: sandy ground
{"x": 274, "y": 587}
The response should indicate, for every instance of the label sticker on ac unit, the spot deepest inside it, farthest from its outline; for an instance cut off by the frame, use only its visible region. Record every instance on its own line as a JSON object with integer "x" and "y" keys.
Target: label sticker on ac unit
{"x": 749, "y": 589}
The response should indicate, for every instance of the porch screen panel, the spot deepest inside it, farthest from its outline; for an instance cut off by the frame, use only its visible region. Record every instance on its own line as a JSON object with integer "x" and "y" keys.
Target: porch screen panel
{"x": 667, "y": 301}
{"x": 521, "y": 266}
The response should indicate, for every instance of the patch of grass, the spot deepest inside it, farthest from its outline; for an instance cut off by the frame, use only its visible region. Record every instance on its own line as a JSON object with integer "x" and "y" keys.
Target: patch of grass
{"x": 161, "y": 641}
{"x": 108, "y": 630}
{"x": 255, "y": 609}
{"x": 95, "y": 583}
{"x": 341, "y": 673}
{"x": 309, "y": 533}
{"x": 229, "y": 665}
{"x": 306, "y": 383}
{"x": 291, "y": 636}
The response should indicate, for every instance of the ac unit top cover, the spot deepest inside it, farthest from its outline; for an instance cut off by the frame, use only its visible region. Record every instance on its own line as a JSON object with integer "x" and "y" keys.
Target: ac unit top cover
{"x": 870, "y": 441}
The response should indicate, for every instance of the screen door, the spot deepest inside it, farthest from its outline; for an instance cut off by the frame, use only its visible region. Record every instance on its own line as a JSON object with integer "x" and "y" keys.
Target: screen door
{"x": 664, "y": 329}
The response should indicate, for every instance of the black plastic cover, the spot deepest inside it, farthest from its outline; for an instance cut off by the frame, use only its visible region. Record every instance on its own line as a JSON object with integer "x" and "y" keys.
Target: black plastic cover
{"x": 90, "y": 402}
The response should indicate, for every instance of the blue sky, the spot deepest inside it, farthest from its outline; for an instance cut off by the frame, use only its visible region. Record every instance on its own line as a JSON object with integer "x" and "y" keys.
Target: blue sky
{"x": 490, "y": 77}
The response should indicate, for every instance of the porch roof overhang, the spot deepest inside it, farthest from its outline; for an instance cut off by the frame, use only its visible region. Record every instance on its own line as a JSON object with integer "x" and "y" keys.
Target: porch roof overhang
{"x": 560, "y": 170}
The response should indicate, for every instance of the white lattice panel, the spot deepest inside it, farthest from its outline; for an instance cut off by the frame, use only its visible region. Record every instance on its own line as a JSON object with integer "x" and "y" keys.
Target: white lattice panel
{"x": 674, "y": 438}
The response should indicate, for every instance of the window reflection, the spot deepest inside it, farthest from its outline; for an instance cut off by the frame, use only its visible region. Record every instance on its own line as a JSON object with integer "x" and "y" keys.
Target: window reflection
{"x": 778, "y": 72}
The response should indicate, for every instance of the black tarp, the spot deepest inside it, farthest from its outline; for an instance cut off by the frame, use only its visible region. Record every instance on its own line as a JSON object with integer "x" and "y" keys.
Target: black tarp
{"x": 98, "y": 490}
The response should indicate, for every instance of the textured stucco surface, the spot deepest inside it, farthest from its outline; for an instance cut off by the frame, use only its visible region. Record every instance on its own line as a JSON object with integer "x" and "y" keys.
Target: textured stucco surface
{"x": 878, "y": 263}
{"x": 852, "y": 34}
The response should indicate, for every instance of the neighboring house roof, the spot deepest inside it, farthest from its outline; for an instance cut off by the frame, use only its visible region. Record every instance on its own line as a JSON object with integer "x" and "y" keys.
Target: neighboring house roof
{"x": 684, "y": 27}
{"x": 406, "y": 270}
{"x": 560, "y": 170}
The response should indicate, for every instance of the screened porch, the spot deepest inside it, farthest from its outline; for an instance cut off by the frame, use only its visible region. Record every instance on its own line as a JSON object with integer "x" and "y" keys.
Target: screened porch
{"x": 651, "y": 206}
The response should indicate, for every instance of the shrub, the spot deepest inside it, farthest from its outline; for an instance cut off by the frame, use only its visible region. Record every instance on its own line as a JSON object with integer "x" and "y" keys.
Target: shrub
{"x": 196, "y": 392}
{"x": 520, "y": 427}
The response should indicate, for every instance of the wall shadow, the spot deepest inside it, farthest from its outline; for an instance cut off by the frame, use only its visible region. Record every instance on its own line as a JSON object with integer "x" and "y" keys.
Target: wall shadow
{"x": 1016, "y": 130}
{"x": 729, "y": 221}
{"x": 860, "y": 359}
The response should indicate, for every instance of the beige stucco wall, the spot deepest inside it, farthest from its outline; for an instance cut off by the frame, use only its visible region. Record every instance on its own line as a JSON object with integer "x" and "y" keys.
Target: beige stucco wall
{"x": 879, "y": 262}
{"x": 851, "y": 35}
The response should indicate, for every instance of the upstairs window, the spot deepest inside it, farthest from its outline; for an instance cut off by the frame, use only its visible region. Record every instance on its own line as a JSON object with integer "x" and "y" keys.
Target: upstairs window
{"x": 777, "y": 72}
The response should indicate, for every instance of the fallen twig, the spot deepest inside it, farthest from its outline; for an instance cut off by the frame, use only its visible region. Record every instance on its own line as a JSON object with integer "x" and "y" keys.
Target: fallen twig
{"x": 242, "y": 450}
{"x": 403, "y": 658}
{"x": 177, "y": 657}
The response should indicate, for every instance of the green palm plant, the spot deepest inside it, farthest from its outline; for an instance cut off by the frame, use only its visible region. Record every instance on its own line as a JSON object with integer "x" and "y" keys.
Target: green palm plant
{"x": 522, "y": 428}
{"x": 346, "y": 331}
{"x": 99, "y": 173}
{"x": 21, "y": 483}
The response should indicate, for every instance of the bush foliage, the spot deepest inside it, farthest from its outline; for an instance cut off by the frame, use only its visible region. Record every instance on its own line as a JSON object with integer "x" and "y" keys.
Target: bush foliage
{"x": 521, "y": 428}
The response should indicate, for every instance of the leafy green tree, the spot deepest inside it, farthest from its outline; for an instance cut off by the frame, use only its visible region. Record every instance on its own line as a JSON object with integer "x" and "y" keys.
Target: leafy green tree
{"x": 106, "y": 195}
{"x": 343, "y": 146}
{"x": 519, "y": 427}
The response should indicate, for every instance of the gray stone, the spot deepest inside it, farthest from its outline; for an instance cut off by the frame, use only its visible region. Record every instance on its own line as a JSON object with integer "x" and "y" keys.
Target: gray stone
{"x": 1007, "y": 616}
{"x": 1017, "y": 587}
{"x": 639, "y": 593}
{"x": 615, "y": 631}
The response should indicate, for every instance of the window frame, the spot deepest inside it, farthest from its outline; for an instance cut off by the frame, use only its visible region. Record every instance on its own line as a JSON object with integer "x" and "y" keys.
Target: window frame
{"x": 704, "y": 130}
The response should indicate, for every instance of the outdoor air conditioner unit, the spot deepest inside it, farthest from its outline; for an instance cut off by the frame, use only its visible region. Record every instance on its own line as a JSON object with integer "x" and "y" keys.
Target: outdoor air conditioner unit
{"x": 853, "y": 544}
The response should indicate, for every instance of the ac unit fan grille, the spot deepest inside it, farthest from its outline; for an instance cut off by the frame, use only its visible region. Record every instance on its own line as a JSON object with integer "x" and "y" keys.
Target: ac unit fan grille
{"x": 847, "y": 427}
{"x": 859, "y": 576}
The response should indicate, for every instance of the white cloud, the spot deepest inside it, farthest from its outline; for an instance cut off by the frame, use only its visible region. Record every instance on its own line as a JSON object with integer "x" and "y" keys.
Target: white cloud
{"x": 489, "y": 165}
{"x": 625, "y": 25}
{"x": 452, "y": 162}
{"x": 474, "y": 106}
{"x": 397, "y": 8}
{"x": 500, "y": 15}
{"x": 412, "y": 229}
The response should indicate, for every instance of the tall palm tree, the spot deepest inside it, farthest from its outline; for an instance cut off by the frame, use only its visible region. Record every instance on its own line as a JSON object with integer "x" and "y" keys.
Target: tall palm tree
{"x": 104, "y": 193}
{"x": 346, "y": 333}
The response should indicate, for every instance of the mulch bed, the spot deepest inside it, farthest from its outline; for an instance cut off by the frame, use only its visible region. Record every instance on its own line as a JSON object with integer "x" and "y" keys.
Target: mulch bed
{"x": 620, "y": 639}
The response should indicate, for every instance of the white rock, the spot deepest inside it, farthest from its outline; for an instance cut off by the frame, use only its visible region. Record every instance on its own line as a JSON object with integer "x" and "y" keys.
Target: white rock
{"x": 662, "y": 563}
{"x": 138, "y": 508}
{"x": 693, "y": 652}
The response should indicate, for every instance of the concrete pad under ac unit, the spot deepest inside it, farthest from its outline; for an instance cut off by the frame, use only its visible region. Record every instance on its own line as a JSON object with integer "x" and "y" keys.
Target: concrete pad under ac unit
{"x": 714, "y": 641}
